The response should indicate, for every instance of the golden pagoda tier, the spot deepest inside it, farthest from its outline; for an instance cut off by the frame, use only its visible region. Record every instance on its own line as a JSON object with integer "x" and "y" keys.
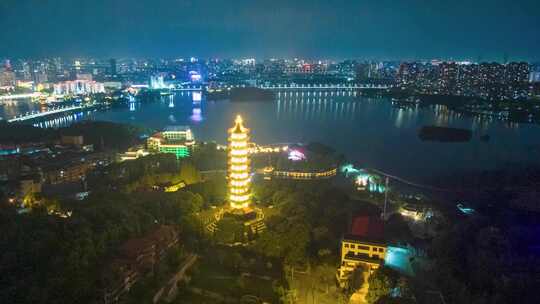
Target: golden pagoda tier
{"x": 239, "y": 173}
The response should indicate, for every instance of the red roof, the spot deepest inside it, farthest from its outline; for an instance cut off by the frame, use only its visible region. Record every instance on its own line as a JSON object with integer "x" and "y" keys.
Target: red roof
{"x": 371, "y": 227}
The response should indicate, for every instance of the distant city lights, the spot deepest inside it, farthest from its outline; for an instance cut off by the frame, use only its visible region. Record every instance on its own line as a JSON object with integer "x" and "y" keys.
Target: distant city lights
{"x": 195, "y": 76}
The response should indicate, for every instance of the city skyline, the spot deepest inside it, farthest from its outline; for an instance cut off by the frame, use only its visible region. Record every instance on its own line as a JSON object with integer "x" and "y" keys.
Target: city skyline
{"x": 96, "y": 60}
{"x": 382, "y": 30}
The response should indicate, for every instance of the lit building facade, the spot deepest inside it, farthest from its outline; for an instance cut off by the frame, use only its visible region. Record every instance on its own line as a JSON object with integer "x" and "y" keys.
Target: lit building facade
{"x": 132, "y": 155}
{"x": 77, "y": 87}
{"x": 357, "y": 253}
{"x": 363, "y": 247}
{"x": 239, "y": 166}
{"x": 157, "y": 82}
{"x": 177, "y": 140}
{"x": 304, "y": 175}
{"x": 488, "y": 80}
{"x": 7, "y": 79}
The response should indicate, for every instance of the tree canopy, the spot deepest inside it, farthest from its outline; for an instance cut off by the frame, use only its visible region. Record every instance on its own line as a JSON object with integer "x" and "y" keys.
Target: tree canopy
{"x": 50, "y": 259}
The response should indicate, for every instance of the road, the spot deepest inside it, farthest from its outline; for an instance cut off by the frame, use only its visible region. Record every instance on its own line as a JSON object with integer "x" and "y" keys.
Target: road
{"x": 170, "y": 288}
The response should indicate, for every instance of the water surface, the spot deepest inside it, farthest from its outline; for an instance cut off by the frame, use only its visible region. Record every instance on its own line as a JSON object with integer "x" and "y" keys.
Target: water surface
{"x": 372, "y": 132}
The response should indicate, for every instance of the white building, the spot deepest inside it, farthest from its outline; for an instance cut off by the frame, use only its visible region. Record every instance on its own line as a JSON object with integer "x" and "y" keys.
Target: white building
{"x": 157, "y": 82}
{"x": 7, "y": 79}
{"x": 534, "y": 77}
{"x": 78, "y": 87}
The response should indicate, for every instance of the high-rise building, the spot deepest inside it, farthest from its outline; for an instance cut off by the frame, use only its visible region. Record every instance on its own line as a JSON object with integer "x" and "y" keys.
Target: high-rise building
{"x": 40, "y": 78}
{"x": 84, "y": 76}
{"x": 112, "y": 63}
{"x": 491, "y": 81}
{"x": 26, "y": 71}
{"x": 7, "y": 78}
{"x": 7, "y": 65}
{"x": 157, "y": 82}
{"x": 239, "y": 168}
{"x": 467, "y": 82}
{"x": 408, "y": 73}
{"x": 535, "y": 89}
{"x": 534, "y": 77}
{"x": 448, "y": 76}
{"x": 363, "y": 71}
{"x": 517, "y": 72}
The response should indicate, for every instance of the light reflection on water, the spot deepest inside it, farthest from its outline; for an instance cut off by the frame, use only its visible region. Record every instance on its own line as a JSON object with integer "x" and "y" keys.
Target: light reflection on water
{"x": 371, "y": 131}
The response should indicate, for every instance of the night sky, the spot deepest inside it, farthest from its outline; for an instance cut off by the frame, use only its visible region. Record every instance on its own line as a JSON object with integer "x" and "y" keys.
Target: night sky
{"x": 336, "y": 29}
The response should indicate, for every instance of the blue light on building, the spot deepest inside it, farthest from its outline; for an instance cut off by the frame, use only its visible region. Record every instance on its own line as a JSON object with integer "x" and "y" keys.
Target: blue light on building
{"x": 398, "y": 258}
{"x": 9, "y": 151}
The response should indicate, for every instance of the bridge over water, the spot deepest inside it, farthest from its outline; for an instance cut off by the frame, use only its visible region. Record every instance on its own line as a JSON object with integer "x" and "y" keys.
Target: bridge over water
{"x": 320, "y": 86}
{"x": 325, "y": 87}
{"x": 34, "y": 115}
{"x": 21, "y": 96}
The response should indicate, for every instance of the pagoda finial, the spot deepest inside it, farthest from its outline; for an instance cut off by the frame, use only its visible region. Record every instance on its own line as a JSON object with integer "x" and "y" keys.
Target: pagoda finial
{"x": 238, "y": 119}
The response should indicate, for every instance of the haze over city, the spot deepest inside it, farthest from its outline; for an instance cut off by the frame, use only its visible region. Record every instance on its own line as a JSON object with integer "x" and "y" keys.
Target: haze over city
{"x": 382, "y": 30}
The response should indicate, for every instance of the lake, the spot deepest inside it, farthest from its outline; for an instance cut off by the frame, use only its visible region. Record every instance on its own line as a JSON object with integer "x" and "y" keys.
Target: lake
{"x": 370, "y": 131}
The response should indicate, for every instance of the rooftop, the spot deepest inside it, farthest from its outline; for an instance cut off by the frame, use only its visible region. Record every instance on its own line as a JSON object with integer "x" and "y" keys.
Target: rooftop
{"x": 369, "y": 227}
{"x": 176, "y": 129}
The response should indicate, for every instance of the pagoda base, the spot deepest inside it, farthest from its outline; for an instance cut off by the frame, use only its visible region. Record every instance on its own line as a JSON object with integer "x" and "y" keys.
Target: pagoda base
{"x": 252, "y": 219}
{"x": 239, "y": 211}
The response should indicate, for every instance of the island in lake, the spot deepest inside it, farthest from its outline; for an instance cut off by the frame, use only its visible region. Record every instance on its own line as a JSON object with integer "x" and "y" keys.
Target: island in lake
{"x": 444, "y": 134}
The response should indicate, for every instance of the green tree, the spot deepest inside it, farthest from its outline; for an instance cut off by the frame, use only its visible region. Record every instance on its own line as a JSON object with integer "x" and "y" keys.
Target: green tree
{"x": 229, "y": 230}
{"x": 357, "y": 280}
{"x": 326, "y": 276}
{"x": 189, "y": 173}
{"x": 404, "y": 288}
{"x": 381, "y": 283}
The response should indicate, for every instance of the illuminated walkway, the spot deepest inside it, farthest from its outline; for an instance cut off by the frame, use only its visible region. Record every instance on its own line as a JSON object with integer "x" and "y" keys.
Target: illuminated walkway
{"x": 46, "y": 113}
{"x": 321, "y": 86}
{"x": 325, "y": 87}
{"x": 190, "y": 88}
{"x": 404, "y": 181}
{"x": 21, "y": 96}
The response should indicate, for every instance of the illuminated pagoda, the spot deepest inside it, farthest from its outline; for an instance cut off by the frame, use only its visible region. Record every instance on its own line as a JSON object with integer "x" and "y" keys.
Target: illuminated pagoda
{"x": 238, "y": 170}
{"x": 248, "y": 218}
